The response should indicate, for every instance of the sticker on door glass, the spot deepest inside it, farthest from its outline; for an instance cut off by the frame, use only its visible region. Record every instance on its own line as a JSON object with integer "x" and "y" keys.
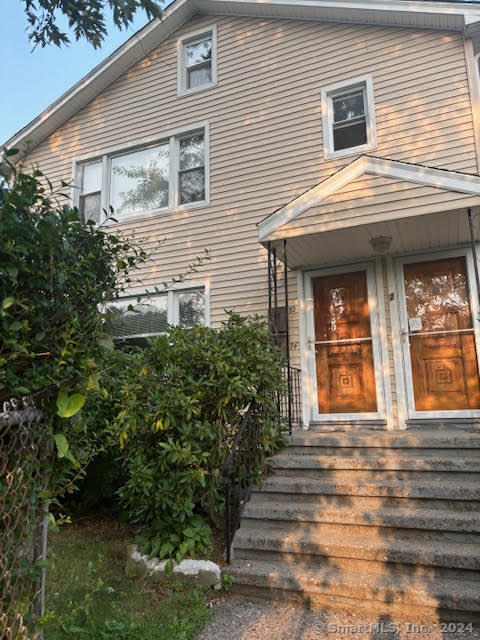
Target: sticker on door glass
{"x": 415, "y": 324}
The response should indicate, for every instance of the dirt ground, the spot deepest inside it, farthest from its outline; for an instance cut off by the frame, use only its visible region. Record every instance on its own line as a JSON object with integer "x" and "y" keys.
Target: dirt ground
{"x": 240, "y": 619}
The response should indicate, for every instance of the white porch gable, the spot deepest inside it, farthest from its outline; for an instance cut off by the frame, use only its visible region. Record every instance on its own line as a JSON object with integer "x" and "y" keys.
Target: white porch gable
{"x": 385, "y": 190}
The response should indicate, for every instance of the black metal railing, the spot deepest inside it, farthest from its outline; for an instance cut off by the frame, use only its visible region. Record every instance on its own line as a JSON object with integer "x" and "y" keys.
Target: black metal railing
{"x": 290, "y": 403}
{"x": 246, "y": 456}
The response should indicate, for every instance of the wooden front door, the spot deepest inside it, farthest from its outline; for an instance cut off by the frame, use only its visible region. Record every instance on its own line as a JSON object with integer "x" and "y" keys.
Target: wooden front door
{"x": 441, "y": 338}
{"x": 343, "y": 344}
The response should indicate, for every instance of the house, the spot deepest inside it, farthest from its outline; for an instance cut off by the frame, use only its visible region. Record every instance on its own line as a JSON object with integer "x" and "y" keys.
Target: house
{"x": 327, "y": 153}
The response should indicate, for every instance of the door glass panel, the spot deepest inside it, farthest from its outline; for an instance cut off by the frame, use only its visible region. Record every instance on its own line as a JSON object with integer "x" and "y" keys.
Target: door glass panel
{"x": 441, "y": 337}
{"x": 343, "y": 344}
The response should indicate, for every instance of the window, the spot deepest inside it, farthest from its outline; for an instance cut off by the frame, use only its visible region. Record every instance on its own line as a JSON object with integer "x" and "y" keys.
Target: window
{"x": 158, "y": 177}
{"x": 348, "y": 117}
{"x": 90, "y": 191}
{"x": 197, "y": 54}
{"x": 149, "y": 315}
{"x": 139, "y": 181}
{"x": 191, "y": 175}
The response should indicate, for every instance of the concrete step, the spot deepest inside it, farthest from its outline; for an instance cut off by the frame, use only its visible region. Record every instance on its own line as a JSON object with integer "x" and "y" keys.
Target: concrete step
{"x": 444, "y": 439}
{"x": 339, "y": 531}
{"x": 450, "y": 555}
{"x": 369, "y": 476}
{"x": 384, "y": 517}
{"x": 366, "y": 503}
{"x": 315, "y": 561}
{"x": 451, "y": 488}
{"x": 336, "y": 584}
{"x": 378, "y": 463}
{"x": 372, "y": 453}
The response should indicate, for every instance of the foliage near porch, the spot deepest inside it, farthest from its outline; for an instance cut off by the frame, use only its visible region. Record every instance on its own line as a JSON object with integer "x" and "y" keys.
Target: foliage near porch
{"x": 181, "y": 407}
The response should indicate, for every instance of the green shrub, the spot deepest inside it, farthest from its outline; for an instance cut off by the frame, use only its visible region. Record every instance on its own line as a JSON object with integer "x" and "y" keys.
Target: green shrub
{"x": 99, "y": 482}
{"x": 180, "y": 411}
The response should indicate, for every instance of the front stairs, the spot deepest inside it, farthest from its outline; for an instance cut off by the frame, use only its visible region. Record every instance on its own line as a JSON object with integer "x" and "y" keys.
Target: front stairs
{"x": 373, "y": 521}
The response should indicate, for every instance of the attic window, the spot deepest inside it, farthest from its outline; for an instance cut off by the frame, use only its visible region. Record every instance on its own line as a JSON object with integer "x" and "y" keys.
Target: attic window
{"x": 197, "y": 68}
{"x": 348, "y": 117}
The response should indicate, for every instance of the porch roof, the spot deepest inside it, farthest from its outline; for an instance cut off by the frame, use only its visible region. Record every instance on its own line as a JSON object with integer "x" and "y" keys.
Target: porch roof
{"x": 422, "y": 233}
{"x": 371, "y": 190}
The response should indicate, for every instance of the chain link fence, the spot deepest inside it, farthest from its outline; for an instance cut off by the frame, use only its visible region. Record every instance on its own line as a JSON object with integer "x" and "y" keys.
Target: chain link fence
{"x": 24, "y": 452}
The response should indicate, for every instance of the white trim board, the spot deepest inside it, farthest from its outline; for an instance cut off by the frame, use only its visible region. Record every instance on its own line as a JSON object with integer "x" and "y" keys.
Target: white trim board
{"x": 454, "y": 16}
{"x": 419, "y": 174}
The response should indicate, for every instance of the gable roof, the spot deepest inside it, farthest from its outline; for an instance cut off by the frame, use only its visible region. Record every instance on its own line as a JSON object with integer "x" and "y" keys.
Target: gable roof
{"x": 439, "y": 14}
{"x": 420, "y": 174}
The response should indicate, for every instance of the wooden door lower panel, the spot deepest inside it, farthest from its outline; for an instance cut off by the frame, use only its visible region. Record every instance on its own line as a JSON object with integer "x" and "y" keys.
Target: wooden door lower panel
{"x": 445, "y": 372}
{"x": 346, "y": 378}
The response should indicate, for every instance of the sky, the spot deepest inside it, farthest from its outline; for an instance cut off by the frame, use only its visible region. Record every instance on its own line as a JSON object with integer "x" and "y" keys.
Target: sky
{"x": 31, "y": 81}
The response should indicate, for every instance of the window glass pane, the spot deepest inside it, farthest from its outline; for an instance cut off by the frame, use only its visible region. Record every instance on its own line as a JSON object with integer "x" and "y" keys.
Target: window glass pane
{"x": 139, "y": 181}
{"x": 192, "y": 151}
{"x": 192, "y": 185}
{"x": 199, "y": 76}
{"x": 148, "y": 317}
{"x": 90, "y": 207}
{"x": 350, "y": 136}
{"x": 92, "y": 177}
{"x": 348, "y": 106}
{"x": 191, "y": 307}
{"x": 198, "y": 52}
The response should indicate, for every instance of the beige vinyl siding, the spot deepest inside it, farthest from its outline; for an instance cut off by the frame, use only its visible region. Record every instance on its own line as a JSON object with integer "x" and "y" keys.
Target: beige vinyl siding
{"x": 266, "y": 145}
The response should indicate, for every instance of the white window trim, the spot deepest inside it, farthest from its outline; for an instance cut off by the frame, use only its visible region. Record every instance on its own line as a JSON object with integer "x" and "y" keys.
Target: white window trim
{"x": 174, "y": 162}
{"x": 327, "y": 93}
{"x": 172, "y": 303}
{"x": 211, "y": 31}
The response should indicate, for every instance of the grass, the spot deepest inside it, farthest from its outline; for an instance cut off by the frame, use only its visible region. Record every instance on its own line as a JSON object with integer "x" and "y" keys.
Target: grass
{"x": 90, "y": 598}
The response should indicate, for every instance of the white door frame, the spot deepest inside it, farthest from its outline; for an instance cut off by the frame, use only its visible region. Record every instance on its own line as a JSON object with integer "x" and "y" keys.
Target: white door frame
{"x": 378, "y": 331}
{"x": 412, "y": 413}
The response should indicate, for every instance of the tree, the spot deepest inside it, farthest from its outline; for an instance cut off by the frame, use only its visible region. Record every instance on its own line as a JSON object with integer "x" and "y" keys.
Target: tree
{"x": 86, "y": 18}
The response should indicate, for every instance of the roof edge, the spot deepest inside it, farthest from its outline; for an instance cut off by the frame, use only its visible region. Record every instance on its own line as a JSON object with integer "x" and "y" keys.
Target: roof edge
{"x": 458, "y": 15}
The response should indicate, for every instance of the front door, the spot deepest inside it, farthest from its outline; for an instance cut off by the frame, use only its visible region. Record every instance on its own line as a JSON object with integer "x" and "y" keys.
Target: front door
{"x": 343, "y": 345}
{"x": 439, "y": 339}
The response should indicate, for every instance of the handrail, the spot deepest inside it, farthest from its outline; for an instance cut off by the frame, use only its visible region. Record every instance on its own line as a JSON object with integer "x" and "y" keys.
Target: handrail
{"x": 246, "y": 452}
{"x": 243, "y": 457}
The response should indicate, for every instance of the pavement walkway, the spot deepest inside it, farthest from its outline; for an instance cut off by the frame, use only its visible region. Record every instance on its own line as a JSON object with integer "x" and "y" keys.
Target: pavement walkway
{"x": 240, "y": 619}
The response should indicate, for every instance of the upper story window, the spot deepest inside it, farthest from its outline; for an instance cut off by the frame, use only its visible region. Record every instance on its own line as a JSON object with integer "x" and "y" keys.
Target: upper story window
{"x": 91, "y": 191}
{"x": 148, "y": 315}
{"x": 153, "y": 178}
{"x": 197, "y": 61}
{"x": 348, "y": 114}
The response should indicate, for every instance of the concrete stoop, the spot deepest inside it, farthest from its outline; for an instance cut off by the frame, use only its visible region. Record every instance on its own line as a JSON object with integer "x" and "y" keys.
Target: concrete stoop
{"x": 387, "y": 523}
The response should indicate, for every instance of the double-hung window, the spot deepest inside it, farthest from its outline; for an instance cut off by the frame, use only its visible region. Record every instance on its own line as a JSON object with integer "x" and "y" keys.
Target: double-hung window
{"x": 348, "y": 117}
{"x": 91, "y": 191}
{"x": 197, "y": 61}
{"x": 149, "y": 315}
{"x": 159, "y": 177}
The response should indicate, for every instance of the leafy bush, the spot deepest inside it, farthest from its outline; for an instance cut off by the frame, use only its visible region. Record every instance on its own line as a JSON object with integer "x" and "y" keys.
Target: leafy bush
{"x": 97, "y": 485}
{"x": 181, "y": 408}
